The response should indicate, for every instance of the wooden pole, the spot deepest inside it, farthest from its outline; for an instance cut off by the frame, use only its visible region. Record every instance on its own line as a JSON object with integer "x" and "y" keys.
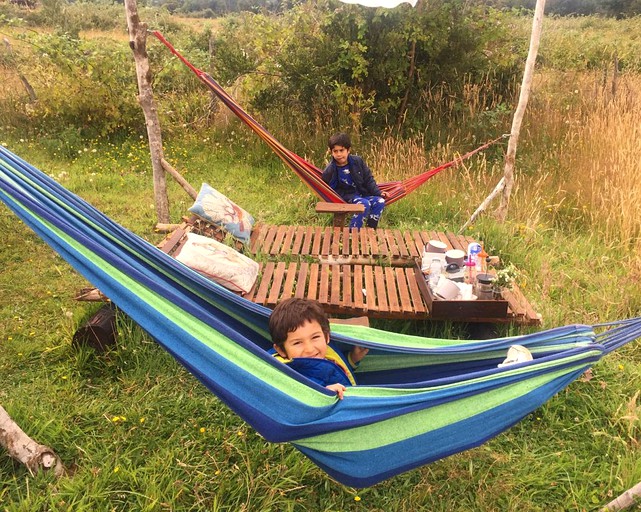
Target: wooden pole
{"x": 20, "y": 446}
{"x": 138, "y": 42}
{"x": 524, "y": 96}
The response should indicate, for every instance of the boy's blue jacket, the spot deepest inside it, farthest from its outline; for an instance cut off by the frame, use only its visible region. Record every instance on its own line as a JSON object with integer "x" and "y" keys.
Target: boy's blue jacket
{"x": 361, "y": 176}
{"x": 336, "y": 368}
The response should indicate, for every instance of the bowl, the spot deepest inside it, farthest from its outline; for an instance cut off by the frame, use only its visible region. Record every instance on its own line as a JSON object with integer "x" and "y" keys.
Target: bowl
{"x": 446, "y": 289}
{"x": 455, "y": 256}
{"x": 435, "y": 246}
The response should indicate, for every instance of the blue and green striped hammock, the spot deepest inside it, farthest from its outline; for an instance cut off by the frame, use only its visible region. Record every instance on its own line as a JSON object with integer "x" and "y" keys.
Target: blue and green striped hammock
{"x": 418, "y": 399}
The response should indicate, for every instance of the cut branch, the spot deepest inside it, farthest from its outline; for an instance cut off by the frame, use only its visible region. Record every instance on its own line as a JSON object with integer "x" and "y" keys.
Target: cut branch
{"x": 36, "y": 457}
{"x": 625, "y": 500}
{"x": 179, "y": 178}
{"x": 483, "y": 206}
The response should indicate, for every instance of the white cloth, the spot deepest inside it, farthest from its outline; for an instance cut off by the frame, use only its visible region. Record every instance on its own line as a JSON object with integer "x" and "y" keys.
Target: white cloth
{"x": 380, "y": 3}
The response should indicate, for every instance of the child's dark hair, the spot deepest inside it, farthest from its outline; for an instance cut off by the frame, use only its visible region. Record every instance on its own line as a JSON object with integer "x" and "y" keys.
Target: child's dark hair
{"x": 292, "y": 313}
{"x": 340, "y": 139}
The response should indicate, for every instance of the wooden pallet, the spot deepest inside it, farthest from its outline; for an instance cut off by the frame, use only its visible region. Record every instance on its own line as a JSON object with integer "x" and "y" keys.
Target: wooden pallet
{"x": 374, "y": 273}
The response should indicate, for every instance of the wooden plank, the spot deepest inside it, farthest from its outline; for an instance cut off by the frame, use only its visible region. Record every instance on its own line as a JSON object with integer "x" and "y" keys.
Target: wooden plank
{"x": 169, "y": 243}
{"x": 354, "y": 235}
{"x": 359, "y": 302}
{"x": 318, "y": 238}
{"x": 415, "y": 293}
{"x": 256, "y": 238}
{"x": 379, "y": 241}
{"x": 327, "y": 242}
{"x": 323, "y": 290}
{"x": 335, "y": 295}
{"x": 348, "y": 286}
{"x": 290, "y": 279}
{"x": 365, "y": 249}
{"x": 345, "y": 240}
{"x": 392, "y": 294}
{"x": 403, "y": 251}
{"x": 336, "y": 241}
{"x": 269, "y": 238}
{"x": 265, "y": 283}
{"x": 456, "y": 242}
{"x": 390, "y": 240}
{"x": 312, "y": 287}
{"x": 286, "y": 247}
{"x": 327, "y": 207}
{"x": 381, "y": 291}
{"x": 278, "y": 240}
{"x": 370, "y": 290}
{"x": 412, "y": 251}
{"x": 298, "y": 239}
{"x": 274, "y": 296}
{"x": 418, "y": 242}
{"x": 301, "y": 280}
{"x": 405, "y": 300}
{"x": 307, "y": 243}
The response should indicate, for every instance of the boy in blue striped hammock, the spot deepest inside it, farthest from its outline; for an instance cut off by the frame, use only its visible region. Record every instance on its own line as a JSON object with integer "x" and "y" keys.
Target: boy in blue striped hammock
{"x": 300, "y": 332}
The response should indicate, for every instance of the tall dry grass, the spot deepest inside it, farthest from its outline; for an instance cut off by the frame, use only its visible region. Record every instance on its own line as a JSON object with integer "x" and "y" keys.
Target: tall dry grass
{"x": 586, "y": 136}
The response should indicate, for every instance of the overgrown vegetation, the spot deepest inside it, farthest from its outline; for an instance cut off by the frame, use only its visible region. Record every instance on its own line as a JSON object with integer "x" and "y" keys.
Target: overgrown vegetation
{"x": 140, "y": 433}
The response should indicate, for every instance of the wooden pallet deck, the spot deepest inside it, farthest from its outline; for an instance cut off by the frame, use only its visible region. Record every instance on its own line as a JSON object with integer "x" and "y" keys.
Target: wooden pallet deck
{"x": 370, "y": 272}
{"x": 370, "y": 290}
{"x": 338, "y": 245}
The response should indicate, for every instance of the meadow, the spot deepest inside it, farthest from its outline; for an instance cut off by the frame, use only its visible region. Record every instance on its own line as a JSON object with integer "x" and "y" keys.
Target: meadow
{"x": 138, "y": 432}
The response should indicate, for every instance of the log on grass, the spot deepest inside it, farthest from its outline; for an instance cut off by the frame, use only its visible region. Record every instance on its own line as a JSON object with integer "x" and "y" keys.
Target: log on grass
{"x": 36, "y": 457}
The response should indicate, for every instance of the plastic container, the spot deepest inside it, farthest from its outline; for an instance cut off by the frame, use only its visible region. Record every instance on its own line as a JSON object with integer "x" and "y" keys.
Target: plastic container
{"x": 484, "y": 286}
{"x": 435, "y": 272}
{"x": 473, "y": 251}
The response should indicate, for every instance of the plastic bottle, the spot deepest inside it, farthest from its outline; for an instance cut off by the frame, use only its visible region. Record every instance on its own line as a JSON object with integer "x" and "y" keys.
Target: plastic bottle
{"x": 481, "y": 262}
{"x": 473, "y": 251}
{"x": 435, "y": 272}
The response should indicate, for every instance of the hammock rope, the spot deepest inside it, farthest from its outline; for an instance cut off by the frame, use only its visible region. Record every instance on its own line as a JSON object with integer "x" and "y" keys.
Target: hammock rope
{"x": 418, "y": 399}
{"x": 311, "y": 175}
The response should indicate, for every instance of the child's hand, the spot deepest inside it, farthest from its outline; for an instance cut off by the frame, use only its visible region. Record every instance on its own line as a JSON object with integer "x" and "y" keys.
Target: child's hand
{"x": 384, "y": 195}
{"x": 339, "y": 388}
{"x": 358, "y": 353}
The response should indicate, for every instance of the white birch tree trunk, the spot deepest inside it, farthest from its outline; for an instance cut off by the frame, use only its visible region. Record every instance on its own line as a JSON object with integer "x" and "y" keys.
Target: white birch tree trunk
{"x": 138, "y": 42}
{"x": 524, "y": 96}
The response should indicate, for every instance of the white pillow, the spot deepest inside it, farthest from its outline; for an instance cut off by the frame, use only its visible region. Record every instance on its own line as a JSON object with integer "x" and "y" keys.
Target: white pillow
{"x": 218, "y": 262}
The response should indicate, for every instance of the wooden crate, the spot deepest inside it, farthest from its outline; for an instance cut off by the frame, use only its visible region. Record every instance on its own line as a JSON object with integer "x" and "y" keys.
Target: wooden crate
{"x": 461, "y": 310}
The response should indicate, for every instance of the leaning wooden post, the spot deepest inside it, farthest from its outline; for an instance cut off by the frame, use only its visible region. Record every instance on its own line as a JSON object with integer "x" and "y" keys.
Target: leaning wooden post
{"x": 37, "y": 457}
{"x": 138, "y": 44}
{"x": 537, "y": 25}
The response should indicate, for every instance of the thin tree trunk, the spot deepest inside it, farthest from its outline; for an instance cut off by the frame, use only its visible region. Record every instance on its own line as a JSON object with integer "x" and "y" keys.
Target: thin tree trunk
{"x": 20, "y": 446}
{"x": 137, "y": 42}
{"x": 508, "y": 174}
{"x": 410, "y": 80}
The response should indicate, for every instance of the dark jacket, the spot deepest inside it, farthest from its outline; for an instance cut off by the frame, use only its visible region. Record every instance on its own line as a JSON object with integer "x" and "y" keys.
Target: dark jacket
{"x": 361, "y": 176}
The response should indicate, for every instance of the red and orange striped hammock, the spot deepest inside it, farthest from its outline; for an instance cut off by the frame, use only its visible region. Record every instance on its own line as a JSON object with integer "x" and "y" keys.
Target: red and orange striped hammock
{"x": 308, "y": 172}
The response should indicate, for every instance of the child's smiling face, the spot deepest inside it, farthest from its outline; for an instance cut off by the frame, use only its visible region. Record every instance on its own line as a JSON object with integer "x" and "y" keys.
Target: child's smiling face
{"x": 308, "y": 340}
{"x": 340, "y": 154}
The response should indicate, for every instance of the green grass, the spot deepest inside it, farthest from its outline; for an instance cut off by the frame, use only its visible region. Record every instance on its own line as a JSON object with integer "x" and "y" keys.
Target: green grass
{"x": 140, "y": 433}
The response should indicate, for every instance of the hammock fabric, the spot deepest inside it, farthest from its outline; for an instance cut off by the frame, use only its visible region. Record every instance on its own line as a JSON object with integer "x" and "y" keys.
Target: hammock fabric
{"x": 311, "y": 175}
{"x": 418, "y": 399}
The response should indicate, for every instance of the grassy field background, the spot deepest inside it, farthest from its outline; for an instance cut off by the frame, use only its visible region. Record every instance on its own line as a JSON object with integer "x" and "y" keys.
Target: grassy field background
{"x": 140, "y": 433}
